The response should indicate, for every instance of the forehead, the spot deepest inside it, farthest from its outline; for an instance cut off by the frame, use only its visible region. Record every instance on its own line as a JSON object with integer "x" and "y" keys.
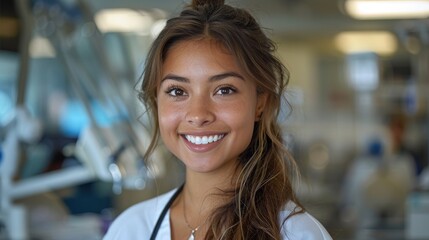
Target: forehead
{"x": 199, "y": 56}
{"x": 207, "y": 48}
{"x": 200, "y": 42}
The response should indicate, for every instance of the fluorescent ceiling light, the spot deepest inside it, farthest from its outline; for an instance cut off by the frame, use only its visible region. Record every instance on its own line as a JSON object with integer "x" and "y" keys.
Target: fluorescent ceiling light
{"x": 123, "y": 20}
{"x": 380, "y": 42}
{"x": 384, "y": 9}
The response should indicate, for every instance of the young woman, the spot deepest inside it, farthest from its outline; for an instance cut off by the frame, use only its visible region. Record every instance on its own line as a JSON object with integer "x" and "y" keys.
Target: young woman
{"x": 214, "y": 89}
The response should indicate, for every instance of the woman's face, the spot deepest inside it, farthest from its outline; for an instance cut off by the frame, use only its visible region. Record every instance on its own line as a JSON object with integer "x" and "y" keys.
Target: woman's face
{"x": 206, "y": 106}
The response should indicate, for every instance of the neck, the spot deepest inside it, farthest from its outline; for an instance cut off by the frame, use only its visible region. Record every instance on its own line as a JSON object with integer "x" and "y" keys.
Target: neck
{"x": 204, "y": 192}
{"x": 201, "y": 187}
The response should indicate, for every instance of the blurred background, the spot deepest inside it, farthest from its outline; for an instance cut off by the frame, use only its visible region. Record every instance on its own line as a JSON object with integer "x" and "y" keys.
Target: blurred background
{"x": 73, "y": 132}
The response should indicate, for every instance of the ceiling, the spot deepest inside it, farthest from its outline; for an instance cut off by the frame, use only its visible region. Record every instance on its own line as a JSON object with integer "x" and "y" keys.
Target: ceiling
{"x": 311, "y": 20}
{"x": 313, "y": 23}
{"x": 285, "y": 17}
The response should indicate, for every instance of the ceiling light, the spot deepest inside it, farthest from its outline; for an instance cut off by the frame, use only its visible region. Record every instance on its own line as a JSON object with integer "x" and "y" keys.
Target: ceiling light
{"x": 123, "y": 20}
{"x": 380, "y": 42}
{"x": 385, "y": 9}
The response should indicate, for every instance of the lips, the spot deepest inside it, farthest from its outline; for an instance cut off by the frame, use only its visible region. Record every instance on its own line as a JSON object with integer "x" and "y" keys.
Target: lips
{"x": 203, "y": 140}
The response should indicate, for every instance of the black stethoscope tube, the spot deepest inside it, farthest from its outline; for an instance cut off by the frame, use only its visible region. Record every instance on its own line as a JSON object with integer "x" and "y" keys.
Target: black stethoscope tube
{"x": 164, "y": 211}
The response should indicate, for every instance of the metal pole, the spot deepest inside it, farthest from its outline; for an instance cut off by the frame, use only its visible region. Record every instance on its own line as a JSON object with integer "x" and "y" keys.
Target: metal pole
{"x": 24, "y": 43}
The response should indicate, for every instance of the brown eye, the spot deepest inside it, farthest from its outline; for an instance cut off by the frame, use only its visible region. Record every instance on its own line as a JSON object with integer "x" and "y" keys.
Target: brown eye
{"x": 175, "y": 92}
{"x": 225, "y": 91}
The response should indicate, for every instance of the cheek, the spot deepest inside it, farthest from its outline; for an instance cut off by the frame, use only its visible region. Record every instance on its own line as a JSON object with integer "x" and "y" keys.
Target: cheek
{"x": 168, "y": 117}
{"x": 242, "y": 110}
{"x": 240, "y": 117}
{"x": 242, "y": 125}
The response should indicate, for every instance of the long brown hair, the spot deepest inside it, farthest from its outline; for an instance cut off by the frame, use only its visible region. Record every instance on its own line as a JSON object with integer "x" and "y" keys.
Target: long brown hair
{"x": 264, "y": 185}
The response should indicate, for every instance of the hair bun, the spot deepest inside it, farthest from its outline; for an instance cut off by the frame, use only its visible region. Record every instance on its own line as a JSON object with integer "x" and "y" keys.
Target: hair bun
{"x": 216, "y": 3}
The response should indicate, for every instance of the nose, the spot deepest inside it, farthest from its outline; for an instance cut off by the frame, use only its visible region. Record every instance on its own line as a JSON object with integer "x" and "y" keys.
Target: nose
{"x": 200, "y": 111}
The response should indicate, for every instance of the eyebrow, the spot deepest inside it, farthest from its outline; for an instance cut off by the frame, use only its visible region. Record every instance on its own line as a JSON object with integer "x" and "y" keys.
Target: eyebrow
{"x": 211, "y": 79}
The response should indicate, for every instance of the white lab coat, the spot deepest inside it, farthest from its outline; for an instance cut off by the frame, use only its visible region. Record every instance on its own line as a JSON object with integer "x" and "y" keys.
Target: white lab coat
{"x": 137, "y": 223}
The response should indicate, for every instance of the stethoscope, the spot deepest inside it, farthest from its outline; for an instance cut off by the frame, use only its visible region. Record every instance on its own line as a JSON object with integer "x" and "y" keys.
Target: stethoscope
{"x": 164, "y": 211}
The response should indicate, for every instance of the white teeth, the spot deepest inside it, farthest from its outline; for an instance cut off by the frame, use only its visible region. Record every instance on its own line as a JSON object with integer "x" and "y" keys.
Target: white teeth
{"x": 203, "y": 139}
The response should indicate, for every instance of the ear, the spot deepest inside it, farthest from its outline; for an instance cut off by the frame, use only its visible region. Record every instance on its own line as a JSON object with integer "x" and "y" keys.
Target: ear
{"x": 260, "y": 105}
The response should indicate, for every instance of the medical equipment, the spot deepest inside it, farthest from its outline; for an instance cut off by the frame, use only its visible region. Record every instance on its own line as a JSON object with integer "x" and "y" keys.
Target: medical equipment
{"x": 110, "y": 149}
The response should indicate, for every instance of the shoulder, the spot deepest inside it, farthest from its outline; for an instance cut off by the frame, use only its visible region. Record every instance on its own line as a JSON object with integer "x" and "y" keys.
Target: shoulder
{"x": 138, "y": 220}
{"x": 301, "y": 226}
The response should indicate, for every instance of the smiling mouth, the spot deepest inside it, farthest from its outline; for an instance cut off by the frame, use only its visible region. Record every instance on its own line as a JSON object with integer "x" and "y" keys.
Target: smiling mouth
{"x": 198, "y": 140}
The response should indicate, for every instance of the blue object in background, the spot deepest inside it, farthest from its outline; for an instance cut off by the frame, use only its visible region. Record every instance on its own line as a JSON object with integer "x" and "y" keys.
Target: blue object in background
{"x": 75, "y": 118}
{"x": 90, "y": 197}
{"x": 375, "y": 148}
